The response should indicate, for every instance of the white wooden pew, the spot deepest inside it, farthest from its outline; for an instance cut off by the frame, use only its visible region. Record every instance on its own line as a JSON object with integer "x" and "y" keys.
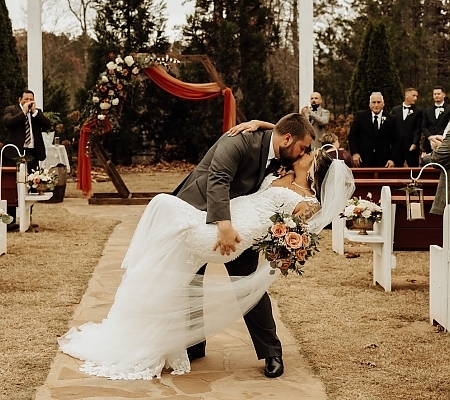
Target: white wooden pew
{"x": 440, "y": 277}
{"x": 380, "y": 240}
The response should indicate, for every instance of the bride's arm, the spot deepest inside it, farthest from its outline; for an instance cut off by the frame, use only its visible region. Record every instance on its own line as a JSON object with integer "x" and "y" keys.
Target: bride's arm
{"x": 306, "y": 209}
{"x": 250, "y": 126}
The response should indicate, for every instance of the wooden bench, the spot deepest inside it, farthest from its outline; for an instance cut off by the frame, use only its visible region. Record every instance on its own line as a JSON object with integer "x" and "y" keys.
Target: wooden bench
{"x": 380, "y": 240}
{"x": 415, "y": 235}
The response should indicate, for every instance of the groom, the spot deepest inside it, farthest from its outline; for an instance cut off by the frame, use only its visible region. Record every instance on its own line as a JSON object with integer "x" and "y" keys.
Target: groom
{"x": 236, "y": 166}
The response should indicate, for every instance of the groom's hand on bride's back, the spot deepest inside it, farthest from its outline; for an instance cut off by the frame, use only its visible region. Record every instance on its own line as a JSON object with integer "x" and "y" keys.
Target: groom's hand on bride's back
{"x": 227, "y": 238}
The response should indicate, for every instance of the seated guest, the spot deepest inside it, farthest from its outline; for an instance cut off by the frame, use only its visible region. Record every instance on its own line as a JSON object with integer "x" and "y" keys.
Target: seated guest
{"x": 332, "y": 139}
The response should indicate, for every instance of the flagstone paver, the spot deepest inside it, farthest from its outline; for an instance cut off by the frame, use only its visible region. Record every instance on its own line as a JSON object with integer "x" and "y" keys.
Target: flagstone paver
{"x": 230, "y": 370}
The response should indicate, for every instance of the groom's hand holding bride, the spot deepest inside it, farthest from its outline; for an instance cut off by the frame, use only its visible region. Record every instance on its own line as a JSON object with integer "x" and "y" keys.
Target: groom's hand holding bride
{"x": 227, "y": 238}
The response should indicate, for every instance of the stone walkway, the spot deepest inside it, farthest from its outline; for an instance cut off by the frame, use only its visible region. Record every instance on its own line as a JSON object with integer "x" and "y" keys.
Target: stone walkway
{"x": 230, "y": 370}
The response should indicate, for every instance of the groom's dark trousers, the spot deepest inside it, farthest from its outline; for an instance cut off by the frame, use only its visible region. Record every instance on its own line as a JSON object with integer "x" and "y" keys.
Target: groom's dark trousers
{"x": 235, "y": 166}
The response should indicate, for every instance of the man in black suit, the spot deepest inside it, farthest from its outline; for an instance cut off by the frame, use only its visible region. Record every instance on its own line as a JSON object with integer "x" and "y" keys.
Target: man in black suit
{"x": 24, "y": 124}
{"x": 409, "y": 125}
{"x": 373, "y": 137}
{"x": 235, "y": 166}
{"x": 435, "y": 120}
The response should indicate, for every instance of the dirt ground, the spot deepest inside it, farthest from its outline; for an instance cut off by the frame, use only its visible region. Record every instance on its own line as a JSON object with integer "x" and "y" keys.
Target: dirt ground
{"x": 364, "y": 343}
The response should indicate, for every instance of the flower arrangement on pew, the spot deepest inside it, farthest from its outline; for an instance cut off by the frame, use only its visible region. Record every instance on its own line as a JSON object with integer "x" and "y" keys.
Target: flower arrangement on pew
{"x": 4, "y": 217}
{"x": 42, "y": 180}
{"x": 287, "y": 244}
{"x": 363, "y": 213}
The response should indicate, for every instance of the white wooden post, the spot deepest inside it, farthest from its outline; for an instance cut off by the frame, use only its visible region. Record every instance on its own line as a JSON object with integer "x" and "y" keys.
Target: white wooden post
{"x": 440, "y": 277}
{"x": 306, "y": 54}
{"x": 3, "y": 230}
{"x": 34, "y": 45}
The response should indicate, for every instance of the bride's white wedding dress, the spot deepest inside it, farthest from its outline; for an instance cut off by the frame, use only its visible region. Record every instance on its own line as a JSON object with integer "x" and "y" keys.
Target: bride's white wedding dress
{"x": 156, "y": 314}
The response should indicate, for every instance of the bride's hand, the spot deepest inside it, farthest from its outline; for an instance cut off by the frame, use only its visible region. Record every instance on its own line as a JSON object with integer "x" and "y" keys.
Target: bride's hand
{"x": 249, "y": 126}
{"x": 227, "y": 238}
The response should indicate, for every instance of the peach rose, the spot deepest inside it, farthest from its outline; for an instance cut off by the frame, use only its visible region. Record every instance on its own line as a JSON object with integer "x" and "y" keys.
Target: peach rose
{"x": 300, "y": 254}
{"x": 293, "y": 240}
{"x": 279, "y": 229}
{"x": 357, "y": 211}
{"x": 306, "y": 240}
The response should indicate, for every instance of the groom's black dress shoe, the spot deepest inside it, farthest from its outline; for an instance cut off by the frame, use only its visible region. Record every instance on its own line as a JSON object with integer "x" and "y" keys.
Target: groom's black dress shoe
{"x": 274, "y": 367}
{"x": 196, "y": 351}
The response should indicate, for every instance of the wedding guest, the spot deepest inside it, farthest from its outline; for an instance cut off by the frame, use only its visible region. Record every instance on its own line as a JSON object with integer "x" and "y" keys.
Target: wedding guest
{"x": 373, "y": 137}
{"x": 318, "y": 117}
{"x": 333, "y": 140}
{"x": 409, "y": 124}
{"x": 435, "y": 120}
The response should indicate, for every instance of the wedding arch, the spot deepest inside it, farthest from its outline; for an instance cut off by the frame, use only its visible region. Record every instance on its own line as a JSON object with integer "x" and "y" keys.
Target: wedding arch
{"x": 106, "y": 103}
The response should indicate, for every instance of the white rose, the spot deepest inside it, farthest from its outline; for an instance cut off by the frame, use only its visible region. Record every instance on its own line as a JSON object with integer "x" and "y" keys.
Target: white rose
{"x": 129, "y": 61}
{"x": 366, "y": 213}
{"x": 119, "y": 60}
{"x": 95, "y": 99}
{"x": 135, "y": 70}
{"x": 105, "y": 106}
{"x": 101, "y": 117}
{"x": 111, "y": 65}
{"x": 289, "y": 222}
{"x": 115, "y": 102}
{"x": 119, "y": 68}
{"x": 348, "y": 211}
{"x": 105, "y": 79}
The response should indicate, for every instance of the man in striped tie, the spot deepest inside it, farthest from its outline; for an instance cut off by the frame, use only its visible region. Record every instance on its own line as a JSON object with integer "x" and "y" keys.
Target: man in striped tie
{"x": 24, "y": 123}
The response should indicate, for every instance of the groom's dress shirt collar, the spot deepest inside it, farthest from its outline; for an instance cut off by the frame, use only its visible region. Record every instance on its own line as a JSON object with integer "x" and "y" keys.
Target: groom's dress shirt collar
{"x": 271, "y": 151}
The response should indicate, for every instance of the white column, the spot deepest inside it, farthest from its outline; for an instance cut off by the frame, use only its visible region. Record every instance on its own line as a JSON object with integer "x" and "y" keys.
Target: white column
{"x": 306, "y": 56}
{"x": 34, "y": 44}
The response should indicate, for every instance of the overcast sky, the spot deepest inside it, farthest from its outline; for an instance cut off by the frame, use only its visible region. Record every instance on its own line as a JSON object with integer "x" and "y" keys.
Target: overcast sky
{"x": 176, "y": 13}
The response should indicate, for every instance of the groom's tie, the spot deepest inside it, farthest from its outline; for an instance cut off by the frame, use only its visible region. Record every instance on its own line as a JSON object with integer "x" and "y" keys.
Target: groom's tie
{"x": 272, "y": 167}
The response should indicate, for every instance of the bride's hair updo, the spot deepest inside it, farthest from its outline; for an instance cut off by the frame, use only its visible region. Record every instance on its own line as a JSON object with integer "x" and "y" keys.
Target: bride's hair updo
{"x": 321, "y": 164}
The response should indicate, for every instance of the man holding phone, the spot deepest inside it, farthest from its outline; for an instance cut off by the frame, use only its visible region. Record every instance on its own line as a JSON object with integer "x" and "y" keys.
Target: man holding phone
{"x": 24, "y": 124}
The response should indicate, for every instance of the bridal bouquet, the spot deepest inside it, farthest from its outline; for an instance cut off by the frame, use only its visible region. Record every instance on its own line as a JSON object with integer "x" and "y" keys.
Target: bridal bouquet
{"x": 287, "y": 243}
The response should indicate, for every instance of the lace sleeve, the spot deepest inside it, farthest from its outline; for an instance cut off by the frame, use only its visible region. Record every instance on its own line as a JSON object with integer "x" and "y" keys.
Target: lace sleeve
{"x": 266, "y": 182}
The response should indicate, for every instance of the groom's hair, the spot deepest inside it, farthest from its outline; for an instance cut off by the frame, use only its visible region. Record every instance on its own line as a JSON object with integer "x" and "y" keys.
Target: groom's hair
{"x": 296, "y": 124}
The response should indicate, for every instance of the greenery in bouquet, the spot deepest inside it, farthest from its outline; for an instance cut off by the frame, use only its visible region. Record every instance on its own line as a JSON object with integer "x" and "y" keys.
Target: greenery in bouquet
{"x": 358, "y": 208}
{"x": 4, "y": 217}
{"x": 42, "y": 176}
{"x": 287, "y": 244}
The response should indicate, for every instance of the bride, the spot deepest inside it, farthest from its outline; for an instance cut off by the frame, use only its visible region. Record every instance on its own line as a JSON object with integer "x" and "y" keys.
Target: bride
{"x": 151, "y": 323}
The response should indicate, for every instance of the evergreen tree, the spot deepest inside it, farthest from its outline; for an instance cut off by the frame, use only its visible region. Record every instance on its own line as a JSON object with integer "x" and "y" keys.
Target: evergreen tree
{"x": 375, "y": 71}
{"x": 382, "y": 73}
{"x": 11, "y": 80}
{"x": 358, "y": 97}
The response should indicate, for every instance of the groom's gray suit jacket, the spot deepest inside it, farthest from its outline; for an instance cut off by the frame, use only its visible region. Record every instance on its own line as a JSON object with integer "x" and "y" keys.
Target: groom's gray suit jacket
{"x": 233, "y": 166}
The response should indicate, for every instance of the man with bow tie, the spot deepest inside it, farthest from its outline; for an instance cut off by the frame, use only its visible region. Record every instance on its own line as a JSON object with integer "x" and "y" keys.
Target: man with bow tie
{"x": 435, "y": 119}
{"x": 373, "y": 138}
{"x": 318, "y": 117}
{"x": 409, "y": 126}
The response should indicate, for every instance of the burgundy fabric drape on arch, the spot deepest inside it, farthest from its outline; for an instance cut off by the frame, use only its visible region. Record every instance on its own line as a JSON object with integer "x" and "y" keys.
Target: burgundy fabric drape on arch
{"x": 189, "y": 91}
